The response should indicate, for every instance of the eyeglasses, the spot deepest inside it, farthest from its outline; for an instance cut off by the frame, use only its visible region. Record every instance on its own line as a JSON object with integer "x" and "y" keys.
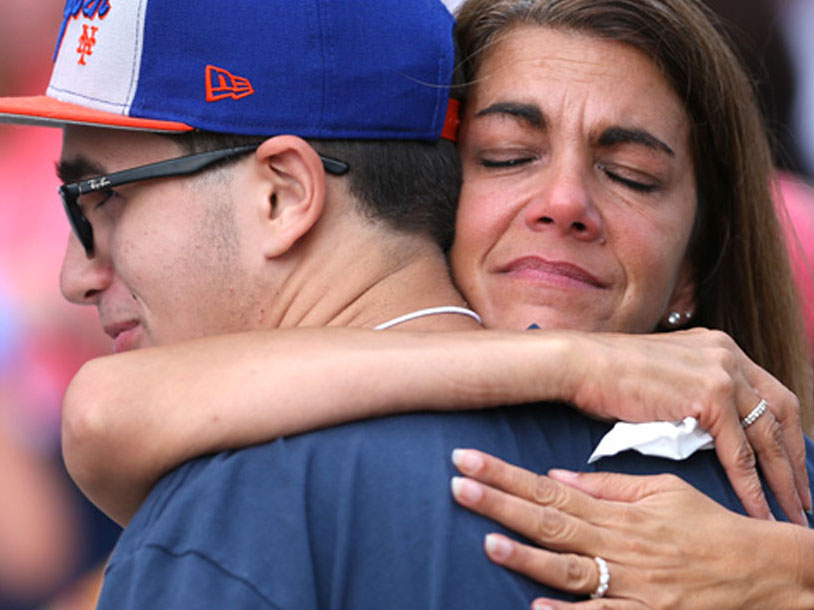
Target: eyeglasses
{"x": 181, "y": 166}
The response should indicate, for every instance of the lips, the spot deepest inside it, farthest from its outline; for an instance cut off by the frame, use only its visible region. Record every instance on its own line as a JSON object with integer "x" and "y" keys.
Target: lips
{"x": 124, "y": 334}
{"x": 537, "y": 269}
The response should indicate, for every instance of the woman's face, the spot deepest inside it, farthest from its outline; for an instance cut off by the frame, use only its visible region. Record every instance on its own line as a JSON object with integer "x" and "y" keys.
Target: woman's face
{"x": 579, "y": 192}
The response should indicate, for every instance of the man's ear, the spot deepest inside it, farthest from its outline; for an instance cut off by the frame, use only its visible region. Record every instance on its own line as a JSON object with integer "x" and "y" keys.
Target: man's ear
{"x": 293, "y": 183}
{"x": 682, "y": 305}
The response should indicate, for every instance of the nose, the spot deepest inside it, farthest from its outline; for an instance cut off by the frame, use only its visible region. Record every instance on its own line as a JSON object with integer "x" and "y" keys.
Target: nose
{"x": 563, "y": 203}
{"x": 83, "y": 279}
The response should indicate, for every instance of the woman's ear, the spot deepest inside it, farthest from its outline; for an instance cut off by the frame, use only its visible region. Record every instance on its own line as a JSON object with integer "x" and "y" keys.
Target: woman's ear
{"x": 682, "y": 305}
{"x": 293, "y": 192}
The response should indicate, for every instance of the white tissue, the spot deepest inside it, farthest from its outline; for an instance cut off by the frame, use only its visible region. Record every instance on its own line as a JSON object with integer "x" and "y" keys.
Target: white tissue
{"x": 673, "y": 440}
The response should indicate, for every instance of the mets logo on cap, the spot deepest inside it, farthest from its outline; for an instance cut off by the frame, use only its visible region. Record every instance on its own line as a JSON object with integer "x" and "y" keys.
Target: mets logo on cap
{"x": 90, "y": 10}
{"x": 98, "y": 54}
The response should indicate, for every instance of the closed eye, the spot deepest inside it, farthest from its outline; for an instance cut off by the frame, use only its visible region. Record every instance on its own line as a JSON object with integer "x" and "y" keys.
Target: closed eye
{"x": 642, "y": 187}
{"x": 506, "y": 163}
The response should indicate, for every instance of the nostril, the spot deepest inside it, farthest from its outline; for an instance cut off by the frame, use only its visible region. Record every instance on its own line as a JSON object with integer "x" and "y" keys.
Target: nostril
{"x": 546, "y": 220}
{"x": 579, "y": 226}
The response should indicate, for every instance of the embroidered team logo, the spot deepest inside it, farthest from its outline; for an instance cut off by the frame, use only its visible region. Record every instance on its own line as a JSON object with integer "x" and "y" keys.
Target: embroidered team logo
{"x": 86, "y": 42}
{"x": 90, "y": 9}
{"x": 222, "y": 84}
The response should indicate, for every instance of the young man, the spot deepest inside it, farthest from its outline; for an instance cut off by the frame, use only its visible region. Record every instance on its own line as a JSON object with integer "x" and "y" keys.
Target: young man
{"x": 199, "y": 208}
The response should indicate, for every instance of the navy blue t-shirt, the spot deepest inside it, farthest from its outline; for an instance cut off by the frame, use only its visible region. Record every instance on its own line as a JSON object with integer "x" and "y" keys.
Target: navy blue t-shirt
{"x": 357, "y": 516}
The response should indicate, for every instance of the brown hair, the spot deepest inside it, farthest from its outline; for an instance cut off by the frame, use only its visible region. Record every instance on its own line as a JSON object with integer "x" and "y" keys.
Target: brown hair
{"x": 742, "y": 272}
{"x": 411, "y": 186}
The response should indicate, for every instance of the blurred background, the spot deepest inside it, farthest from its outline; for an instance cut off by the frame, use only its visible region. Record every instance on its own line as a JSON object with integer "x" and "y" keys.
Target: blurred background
{"x": 53, "y": 541}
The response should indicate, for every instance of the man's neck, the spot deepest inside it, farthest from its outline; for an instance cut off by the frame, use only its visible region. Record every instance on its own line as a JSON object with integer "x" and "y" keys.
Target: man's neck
{"x": 371, "y": 283}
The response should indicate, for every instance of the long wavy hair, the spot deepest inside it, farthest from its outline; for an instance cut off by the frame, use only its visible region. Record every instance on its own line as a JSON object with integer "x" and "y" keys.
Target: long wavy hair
{"x": 742, "y": 272}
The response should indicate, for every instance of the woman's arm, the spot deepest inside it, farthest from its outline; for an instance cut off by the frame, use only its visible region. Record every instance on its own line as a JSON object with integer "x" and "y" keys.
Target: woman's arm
{"x": 666, "y": 544}
{"x": 131, "y": 417}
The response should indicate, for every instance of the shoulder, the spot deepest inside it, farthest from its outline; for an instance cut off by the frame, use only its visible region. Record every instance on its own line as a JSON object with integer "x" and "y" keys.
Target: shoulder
{"x": 156, "y": 576}
{"x": 362, "y": 503}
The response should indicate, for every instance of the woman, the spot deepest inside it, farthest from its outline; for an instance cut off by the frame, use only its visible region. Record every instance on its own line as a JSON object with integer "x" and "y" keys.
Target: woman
{"x": 650, "y": 206}
{"x": 641, "y": 547}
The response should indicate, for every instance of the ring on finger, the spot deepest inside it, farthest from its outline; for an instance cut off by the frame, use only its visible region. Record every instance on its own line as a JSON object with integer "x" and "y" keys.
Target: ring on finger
{"x": 753, "y": 416}
{"x": 604, "y": 578}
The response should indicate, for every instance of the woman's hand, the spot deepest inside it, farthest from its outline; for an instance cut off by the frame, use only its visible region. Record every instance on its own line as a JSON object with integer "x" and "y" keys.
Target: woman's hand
{"x": 665, "y": 543}
{"x": 701, "y": 373}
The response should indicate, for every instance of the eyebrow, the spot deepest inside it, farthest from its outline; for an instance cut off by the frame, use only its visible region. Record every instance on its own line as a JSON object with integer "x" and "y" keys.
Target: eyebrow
{"x": 535, "y": 118}
{"x": 77, "y": 169}
{"x": 622, "y": 135}
{"x": 528, "y": 113}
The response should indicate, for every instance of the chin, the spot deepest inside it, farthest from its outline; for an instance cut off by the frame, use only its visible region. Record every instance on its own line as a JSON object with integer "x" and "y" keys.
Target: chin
{"x": 545, "y": 317}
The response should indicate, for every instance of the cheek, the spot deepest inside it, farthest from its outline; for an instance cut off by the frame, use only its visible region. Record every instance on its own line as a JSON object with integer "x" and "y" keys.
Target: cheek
{"x": 483, "y": 217}
{"x": 651, "y": 253}
{"x": 473, "y": 236}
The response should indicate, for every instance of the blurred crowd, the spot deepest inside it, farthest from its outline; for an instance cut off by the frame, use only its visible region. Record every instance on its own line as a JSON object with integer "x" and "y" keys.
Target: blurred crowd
{"x": 53, "y": 541}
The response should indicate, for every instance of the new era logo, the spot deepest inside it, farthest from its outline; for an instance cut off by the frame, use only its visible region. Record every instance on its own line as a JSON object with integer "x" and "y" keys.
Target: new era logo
{"x": 222, "y": 84}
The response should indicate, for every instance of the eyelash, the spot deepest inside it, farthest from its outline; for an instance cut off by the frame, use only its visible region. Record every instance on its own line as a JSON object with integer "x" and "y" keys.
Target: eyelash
{"x": 107, "y": 195}
{"x": 640, "y": 187}
{"x": 96, "y": 200}
{"x": 506, "y": 164}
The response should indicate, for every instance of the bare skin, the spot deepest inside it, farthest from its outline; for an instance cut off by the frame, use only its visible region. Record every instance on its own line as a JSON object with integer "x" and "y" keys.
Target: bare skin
{"x": 230, "y": 379}
{"x": 642, "y": 527}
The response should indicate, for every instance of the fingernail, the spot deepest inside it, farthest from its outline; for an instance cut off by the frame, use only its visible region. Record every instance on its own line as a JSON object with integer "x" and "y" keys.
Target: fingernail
{"x": 563, "y": 475}
{"x": 467, "y": 461}
{"x": 804, "y": 518}
{"x": 541, "y": 605}
{"x": 466, "y": 491}
{"x": 808, "y": 500}
{"x": 498, "y": 547}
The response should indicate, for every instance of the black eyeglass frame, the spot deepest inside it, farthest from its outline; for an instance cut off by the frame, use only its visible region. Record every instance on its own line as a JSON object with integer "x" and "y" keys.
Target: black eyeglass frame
{"x": 180, "y": 166}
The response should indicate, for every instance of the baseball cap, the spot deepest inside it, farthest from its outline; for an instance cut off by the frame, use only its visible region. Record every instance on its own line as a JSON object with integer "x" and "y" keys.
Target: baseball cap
{"x": 323, "y": 69}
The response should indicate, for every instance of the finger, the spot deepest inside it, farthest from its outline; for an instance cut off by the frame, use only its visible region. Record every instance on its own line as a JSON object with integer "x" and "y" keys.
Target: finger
{"x": 618, "y": 487}
{"x": 766, "y": 437}
{"x": 796, "y": 449}
{"x": 785, "y": 407}
{"x": 740, "y": 463}
{"x": 794, "y": 439}
{"x": 519, "y": 482}
{"x": 564, "y": 571}
{"x": 548, "y": 527}
{"x": 592, "y": 604}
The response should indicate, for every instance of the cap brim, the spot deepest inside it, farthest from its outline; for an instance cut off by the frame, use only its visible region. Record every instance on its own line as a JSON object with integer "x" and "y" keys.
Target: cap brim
{"x": 50, "y": 112}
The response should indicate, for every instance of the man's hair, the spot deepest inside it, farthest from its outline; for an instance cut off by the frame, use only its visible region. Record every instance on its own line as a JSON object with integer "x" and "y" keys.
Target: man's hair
{"x": 411, "y": 186}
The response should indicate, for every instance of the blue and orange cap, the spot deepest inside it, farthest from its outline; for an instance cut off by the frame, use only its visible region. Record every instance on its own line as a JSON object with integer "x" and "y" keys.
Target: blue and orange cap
{"x": 323, "y": 69}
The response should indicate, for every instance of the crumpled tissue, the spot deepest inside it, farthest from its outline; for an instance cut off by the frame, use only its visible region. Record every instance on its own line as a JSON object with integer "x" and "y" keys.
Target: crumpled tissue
{"x": 673, "y": 440}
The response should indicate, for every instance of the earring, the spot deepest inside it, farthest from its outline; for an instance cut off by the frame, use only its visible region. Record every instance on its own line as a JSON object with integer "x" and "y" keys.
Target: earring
{"x": 687, "y": 316}
{"x": 676, "y": 319}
